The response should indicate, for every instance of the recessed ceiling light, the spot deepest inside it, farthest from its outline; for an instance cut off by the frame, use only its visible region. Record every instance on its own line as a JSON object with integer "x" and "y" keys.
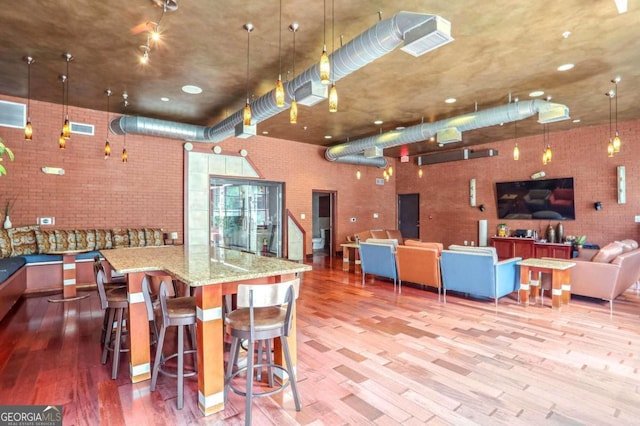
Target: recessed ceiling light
{"x": 536, "y": 93}
{"x": 566, "y": 34}
{"x": 164, "y": 99}
{"x": 400, "y": 128}
{"x": 378, "y": 122}
{"x": 192, "y": 90}
{"x": 565, "y": 67}
{"x": 328, "y": 136}
{"x": 577, "y": 120}
{"x": 450, "y": 100}
{"x": 265, "y": 132}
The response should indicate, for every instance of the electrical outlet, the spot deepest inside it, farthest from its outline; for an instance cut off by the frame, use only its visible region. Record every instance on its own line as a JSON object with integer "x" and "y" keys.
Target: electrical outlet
{"x": 375, "y": 215}
{"x": 46, "y": 221}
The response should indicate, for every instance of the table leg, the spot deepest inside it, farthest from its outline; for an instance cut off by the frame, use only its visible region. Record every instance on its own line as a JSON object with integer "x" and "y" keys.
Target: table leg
{"x": 210, "y": 349}
{"x": 138, "y": 325}
{"x": 69, "y": 276}
{"x": 525, "y": 280}
{"x": 358, "y": 264}
{"x": 565, "y": 285}
{"x": 556, "y": 289}
{"x": 345, "y": 258}
{"x": 535, "y": 285}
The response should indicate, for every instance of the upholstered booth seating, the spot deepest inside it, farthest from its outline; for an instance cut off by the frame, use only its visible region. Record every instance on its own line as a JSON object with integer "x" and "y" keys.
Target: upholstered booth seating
{"x": 419, "y": 263}
{"x": 31, "y": 259}
{"x": 378, "y": 257}
{"x": 477, "y": 272}
{"x": 606, "y": 274}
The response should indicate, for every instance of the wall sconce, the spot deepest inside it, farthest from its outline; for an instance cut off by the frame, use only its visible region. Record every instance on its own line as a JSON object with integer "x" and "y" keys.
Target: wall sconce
{"x": 472, "y": 192}
{"x": 622, "y": 186}
{"x": 481, "y": 207}
{"x": 597, "y": 205}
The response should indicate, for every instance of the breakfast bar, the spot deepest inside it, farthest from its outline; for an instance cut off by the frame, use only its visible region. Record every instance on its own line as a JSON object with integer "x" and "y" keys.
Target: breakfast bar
{"x": 212, "y": 272}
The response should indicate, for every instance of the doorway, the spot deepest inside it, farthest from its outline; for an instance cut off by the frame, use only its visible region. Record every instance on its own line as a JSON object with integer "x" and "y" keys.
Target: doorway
{"x": 409, "y": 215}
{"x": 323, "y": 234}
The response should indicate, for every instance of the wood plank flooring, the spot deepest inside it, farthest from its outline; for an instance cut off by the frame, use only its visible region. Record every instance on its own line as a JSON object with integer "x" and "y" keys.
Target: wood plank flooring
{"x": 366, "y": 355}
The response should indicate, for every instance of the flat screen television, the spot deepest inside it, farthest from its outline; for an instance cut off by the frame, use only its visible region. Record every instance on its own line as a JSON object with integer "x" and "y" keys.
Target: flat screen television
{"x": 542, "y": 199}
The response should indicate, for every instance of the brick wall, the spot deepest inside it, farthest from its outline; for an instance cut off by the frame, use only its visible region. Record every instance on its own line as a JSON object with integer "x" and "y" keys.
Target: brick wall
{"x": 148, "y": 190}
{"x": 446, "y": 215}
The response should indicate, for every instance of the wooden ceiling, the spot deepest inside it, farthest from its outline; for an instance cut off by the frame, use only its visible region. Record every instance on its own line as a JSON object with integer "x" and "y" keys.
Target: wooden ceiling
{"x": 500, "y": 49}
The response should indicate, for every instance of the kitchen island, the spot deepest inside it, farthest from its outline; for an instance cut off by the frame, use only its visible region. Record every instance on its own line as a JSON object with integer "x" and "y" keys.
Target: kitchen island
{"x": 212, "y": 272}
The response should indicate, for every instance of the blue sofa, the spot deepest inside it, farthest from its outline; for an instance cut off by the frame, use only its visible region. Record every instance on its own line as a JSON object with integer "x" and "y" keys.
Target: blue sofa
{"x": 477, "y": 272}
{"x": 378, "y": 257}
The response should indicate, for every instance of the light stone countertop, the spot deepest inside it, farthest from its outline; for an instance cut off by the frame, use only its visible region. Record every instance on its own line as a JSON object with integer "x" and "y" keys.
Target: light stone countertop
{"x": 199, "y": 265}
{"x": 547, "y": 263}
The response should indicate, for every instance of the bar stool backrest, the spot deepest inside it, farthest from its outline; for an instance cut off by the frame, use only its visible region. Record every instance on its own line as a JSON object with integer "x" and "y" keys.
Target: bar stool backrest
{"x": 100, "y": 280}
{"x": 258, "y": 296}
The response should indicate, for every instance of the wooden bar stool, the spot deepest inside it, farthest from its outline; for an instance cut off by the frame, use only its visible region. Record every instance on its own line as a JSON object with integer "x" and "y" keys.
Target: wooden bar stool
{"x": 114, "y": 302}
{"x": 264, "y": 313}
{"x": 176, "y": 312}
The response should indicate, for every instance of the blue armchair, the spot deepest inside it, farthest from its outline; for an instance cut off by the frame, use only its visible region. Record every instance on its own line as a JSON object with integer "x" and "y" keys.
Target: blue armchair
{"x": 379, "y": 259}
{"x": 476, "y": 271}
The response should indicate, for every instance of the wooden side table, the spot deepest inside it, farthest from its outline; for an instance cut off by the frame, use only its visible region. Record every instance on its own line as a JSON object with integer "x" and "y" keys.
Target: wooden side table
{"x": 346, "y": 257}
{"x": 560, "y": 271}
{"x": 68, "y": 275}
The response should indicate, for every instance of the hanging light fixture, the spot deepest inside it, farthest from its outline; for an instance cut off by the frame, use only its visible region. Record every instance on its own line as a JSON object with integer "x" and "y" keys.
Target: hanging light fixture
{"x": 279, "y": 85}
{"x": 390, "y": 170}
{"x": 28, "y": 129}
{"x": 107, "y": 145}
{"x": 516, "y": 150}
{"x": 420, "y": 172}
{"x": 293, "y": 111}
{"x": 125, "y": 102}
{"x": 66, "y": 128}
{"x": 548, "y": 152}
{"x": 247, "y": 108}
{"x": 617, "y": 143}
{"x": 62, "y": 142}
{"x": 610, "y": 148}
{"x": 420, "y": 167}
{"x": 333, "y": 92}
{"x": 325, "y": 66}
{"x": 358, "y": 174}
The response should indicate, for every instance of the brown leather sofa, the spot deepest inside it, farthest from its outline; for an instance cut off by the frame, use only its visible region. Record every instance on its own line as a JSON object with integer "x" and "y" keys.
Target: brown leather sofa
{"x": 607, "y": 274}
{"x": 419, "y": 263}
{"x": 379, "y": 234}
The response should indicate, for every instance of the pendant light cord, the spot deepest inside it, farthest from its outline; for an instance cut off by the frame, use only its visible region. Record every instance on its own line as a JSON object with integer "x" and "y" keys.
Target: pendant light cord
{"x": 280, "y": 43}
{"x": 333, "y": 38}
{"x": 248, "y": 47}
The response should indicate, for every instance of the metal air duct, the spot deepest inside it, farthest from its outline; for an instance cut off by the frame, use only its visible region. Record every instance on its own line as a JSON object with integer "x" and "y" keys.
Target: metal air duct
{"x": 374, "y": 43}
{"x": 491, "y": 117}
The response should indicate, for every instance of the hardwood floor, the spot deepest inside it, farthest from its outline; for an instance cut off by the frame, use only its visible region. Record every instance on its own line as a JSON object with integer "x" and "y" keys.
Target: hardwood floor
{"x": 365, "y": 356}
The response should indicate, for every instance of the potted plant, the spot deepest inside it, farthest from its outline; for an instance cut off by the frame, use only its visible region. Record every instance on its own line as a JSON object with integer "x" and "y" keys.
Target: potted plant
{"x": 4, "y": 150}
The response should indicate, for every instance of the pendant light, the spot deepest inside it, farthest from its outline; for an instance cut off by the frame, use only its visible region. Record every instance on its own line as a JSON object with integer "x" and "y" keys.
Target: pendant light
{"x": 610, "y": 148}
{"x": 125, "y": 102}
{"x": 107, "y": 145}
{"x": 62, "y": 142}
{"x": 66, "y": 128}
{"x": 28, "y": 129}
{"x": 516, "y": 150}
{"x": 333, "y": 92}
{"x": 293, "y": 111}
{"x": 548, "y": 152}
{"x": 617, "y": 143}
{"x": 325, "y": 66}
{"x": 279, "y": 85}
{"x": 247, "y": 108}
{"x": 358, "y": 174}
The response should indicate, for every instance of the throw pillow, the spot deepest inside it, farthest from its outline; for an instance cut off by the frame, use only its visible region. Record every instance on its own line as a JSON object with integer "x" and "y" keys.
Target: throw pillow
{"x": 608, "y": 253}
{"x": 23, "y": 240}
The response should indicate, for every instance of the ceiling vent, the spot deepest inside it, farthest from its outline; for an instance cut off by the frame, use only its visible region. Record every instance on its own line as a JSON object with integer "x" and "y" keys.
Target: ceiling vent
{"x": 424, "y": 38}
{"x": 449, "y": 135}
{"x": 12, "y": 114}
{"x": 373, "y": 152}
{"x": 552, "y": 115}
{"x": 82, "y": 129}
{"x": 459, "y": 155}
{"x": 245, "y": 132}
{"x": 311, "y": 93}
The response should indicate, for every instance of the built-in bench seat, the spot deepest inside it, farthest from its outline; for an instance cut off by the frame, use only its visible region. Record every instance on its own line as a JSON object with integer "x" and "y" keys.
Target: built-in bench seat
{"x": 30, "y": 259}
